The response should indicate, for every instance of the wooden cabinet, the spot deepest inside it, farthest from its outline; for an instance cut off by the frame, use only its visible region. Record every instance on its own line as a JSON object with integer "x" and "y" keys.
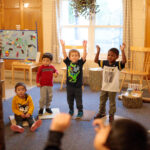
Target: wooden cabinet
{"x": 2, "y": 89}
{"x": 27, "y": 14}
{"x": 147, "y": 27}
{"x": 2, "y": 78}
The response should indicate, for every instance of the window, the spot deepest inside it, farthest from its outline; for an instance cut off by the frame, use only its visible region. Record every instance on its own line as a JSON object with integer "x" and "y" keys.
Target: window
{"x": 104, "y": 28}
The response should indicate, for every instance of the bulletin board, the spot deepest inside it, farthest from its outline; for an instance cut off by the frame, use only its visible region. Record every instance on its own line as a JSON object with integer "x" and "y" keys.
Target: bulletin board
{"x": 19, "y": 44}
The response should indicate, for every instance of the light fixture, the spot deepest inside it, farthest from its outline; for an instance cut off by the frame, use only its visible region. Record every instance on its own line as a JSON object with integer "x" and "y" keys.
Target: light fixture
{"x": 26, "y": 5}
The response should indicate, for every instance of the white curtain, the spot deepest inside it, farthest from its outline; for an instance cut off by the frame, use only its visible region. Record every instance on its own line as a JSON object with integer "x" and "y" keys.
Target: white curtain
{"x": 127, "y": 26}
{"x": 51, "y": 28}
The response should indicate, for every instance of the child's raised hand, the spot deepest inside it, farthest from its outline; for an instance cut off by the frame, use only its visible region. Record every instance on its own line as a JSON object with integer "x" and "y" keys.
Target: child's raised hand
{"x": 62, "y": 43}
{"x": 98, "y": 48}
{"x": 60, "y": 122}
{"x": 122, "y": 47}
{"x": 84, "y": 43}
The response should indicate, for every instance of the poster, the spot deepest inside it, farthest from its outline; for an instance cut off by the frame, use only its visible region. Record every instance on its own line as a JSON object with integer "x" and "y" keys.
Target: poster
{"x": 19, "y": 44}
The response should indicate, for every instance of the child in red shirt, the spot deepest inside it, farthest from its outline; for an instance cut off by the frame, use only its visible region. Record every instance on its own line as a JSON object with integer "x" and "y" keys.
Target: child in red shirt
{"x": 44, "y": 80}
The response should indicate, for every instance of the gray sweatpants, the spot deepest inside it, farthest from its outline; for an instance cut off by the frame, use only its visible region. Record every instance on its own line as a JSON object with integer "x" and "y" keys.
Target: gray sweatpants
{"x": 46, "y": 94}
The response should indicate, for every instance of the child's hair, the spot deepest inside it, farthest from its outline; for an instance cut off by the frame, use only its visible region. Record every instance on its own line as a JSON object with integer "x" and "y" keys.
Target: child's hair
{"x": 20, "y": 84}
{"x": 48, "y": 55}
{"x": 115, "y": 50}
{"x": 74, "y": 51}
{"x": 126, "y": 134}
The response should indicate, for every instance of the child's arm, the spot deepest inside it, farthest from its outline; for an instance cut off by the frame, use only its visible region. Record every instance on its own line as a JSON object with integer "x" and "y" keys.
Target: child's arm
{"x": 63, "y": 49}
{"x": 122, "y": 47}
{"x": 84, "y": 50}
{"x": 38, "y": 77}
{"x": 97, "y": 54}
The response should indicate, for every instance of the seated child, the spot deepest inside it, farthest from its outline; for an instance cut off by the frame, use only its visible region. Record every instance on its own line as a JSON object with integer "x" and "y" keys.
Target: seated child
{"x": 22, "y": 106}
{"x": 74, "y": 77}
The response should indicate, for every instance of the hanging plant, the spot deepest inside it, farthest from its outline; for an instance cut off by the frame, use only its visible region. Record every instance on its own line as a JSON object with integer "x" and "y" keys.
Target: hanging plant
{"x": 84, "y": 7}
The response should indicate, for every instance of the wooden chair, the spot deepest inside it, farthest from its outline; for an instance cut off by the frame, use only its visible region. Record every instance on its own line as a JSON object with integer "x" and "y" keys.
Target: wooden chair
{"x": 78, "y": 47}
{"x": 138, "y": 65}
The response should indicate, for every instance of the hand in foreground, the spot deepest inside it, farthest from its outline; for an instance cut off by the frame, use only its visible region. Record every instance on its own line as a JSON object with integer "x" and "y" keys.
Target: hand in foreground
{"x": 98, "y": 48}
{"x": 102, "y": 132}
{"x": 60, "y": 122}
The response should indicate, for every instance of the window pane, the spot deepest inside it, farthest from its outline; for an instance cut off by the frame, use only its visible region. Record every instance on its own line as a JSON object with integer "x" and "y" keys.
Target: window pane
{"x": 107, "y": 38}
{"x": 68, "y": 16}
{"x": 74, "y": 36}
{"x": 110, "y": 12}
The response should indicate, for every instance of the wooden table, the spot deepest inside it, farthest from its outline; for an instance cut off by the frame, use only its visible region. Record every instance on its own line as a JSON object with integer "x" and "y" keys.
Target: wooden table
{"x": 24, "y": 66}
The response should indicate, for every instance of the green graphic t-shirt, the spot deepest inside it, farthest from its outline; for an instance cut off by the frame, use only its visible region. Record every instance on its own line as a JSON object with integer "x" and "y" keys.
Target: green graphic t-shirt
{"x": 74, "y": 72}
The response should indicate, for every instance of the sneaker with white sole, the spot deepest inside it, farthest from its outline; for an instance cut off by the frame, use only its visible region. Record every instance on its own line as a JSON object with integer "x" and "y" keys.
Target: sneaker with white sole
{"x": 36, "y": 125}
{"x": 17, "y": 128}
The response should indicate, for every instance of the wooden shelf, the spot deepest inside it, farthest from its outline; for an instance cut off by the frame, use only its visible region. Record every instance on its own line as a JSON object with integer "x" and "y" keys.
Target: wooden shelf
{"x": 2, "y": 77}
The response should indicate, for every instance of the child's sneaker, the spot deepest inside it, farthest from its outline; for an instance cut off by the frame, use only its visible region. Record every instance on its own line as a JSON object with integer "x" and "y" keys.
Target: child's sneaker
{"x": 111, "y": 118}
{"x": 41, "y": 111}
{"x": 49, "y": 110}
{"x": 17, "y": 128}
{"x": 35, "y": 125}
{"x": 99, "y": 115}
{"x": 71, "y": 112}
{"x": 79, "y": 115}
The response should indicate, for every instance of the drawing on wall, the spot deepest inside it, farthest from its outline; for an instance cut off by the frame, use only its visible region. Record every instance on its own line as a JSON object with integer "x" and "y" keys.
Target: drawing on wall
{"x": 19, "y": 44}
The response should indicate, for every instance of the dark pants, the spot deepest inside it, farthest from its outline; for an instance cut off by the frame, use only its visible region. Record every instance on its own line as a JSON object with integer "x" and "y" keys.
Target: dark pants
{"x": 19, "y": 120}
{"x": 74, "y": 93}
{"x": 112, "y": 102}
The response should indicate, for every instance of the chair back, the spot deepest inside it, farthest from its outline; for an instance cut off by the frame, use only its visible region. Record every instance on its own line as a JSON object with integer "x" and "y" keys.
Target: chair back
{"x": 139, "y": 61}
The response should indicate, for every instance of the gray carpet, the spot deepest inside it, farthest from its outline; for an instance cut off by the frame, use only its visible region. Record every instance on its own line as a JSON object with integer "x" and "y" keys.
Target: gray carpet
{"x": 80, "y": 135}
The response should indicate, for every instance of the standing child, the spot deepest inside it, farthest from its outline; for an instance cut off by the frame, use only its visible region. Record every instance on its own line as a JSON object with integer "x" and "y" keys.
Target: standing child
{"x": 74, "y": 77}
{"x": 110, "y": 82}
{"x": 22, "y": 106}
{"x": 45, "y": 82}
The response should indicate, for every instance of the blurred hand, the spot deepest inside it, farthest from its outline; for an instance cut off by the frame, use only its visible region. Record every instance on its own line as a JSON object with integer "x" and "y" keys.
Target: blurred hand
{"x": 84, "y": 43}
{"x": 98, "y": 48}
{"x": 102, "y": 132}
{"x": 38, "y": 85}
{"x": 55, "y": 75}
{"x": 62, "y": 43}
{"x": 60, "y": 122}
{"x": 27, "y": 115}
{"x": 23, "y": 115}
{"x": 122, "y": 47}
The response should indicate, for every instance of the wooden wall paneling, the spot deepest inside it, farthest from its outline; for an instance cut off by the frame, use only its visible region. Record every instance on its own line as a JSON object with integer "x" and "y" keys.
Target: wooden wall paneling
{"x": 35, "y": 17}
{"x": 147, "y": 28}
{"x": 12, "y": 18}
{"x": 14, "y": 13}
{"x": 33, "y": 3}
{"x": 11, "y": 3}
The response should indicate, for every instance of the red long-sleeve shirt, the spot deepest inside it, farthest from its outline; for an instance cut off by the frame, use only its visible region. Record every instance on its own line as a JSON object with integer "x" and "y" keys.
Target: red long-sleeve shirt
{"x": 45, "y": 75}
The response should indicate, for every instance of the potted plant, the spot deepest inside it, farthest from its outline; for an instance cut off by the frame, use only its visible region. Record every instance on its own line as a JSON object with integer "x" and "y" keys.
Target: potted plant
{"x": 84, "y": 7}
